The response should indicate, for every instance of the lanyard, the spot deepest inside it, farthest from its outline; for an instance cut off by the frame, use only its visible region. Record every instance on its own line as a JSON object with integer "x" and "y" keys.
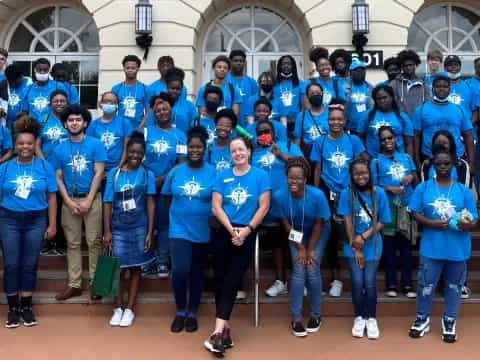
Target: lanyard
{"x": 438, "y": 190}
{"x": 30, "y": 173}
{"x": 136, "y": 87}
{"x": 75, "y": 164}
{"x": 303, "y": 210}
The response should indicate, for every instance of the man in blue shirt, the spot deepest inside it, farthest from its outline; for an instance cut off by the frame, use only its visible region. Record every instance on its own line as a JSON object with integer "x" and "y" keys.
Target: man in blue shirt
{"x": 434, "y": 61}
{"x": 340, "y": 61}
{"x": 79, "y": 164}
{"x": 17, "y": 86}
{"x": 59, "y": 74}
{"x": 164, "y": 64}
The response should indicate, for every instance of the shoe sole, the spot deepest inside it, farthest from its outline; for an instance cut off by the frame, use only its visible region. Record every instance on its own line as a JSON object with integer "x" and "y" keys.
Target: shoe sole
{"x": 126, "y": 325}
{"x": 299, "y": 334}
{"x": 420, "y": 334}
{"x": 449, "y": 341}
{"x": 313, "y": 330}
{"x": 279, "y": 294}
{"x": 357, "y": 336}
{"x": 210, "y": 348}
{"x": 12, "y": 326}
{"x": 370, "y": 337}
{"x": 114, "y": 324}
{"x": 30, "y": 324}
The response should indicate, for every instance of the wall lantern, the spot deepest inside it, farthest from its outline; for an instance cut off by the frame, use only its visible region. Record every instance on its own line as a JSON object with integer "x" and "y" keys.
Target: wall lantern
{"x": 143, "y": 25}
{"x": 360, "y": 25}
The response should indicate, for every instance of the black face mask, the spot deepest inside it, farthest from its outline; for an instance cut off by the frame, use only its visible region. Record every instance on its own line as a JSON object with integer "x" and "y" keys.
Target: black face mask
{"x": 266, "y": 87}
{"x": 316, "y": 100}
{"x": 212, "y": 106}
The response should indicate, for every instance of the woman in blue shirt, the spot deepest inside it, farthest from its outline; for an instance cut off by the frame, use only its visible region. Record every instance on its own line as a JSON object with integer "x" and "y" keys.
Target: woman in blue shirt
{"x": 240, "y": 201}
{"x": 395, "y": 172}
{"x": 218, "y": 152}
{"x": 447, "y": 212}
{"x": 28, "y": 203}
{"x": 365, "y": 210}
{"x": 188, "y": 189}
{"x": 6, "y": 146}
{"x": 128, "y": 217}
{"x": 306, "y": 218}
{"x": 263, "y": 111}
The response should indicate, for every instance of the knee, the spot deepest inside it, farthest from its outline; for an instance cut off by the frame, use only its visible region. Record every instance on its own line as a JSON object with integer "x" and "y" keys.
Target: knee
{"x": 313, "y": 271}
{"x": 180, "y": 271}
{"x": 298, "y": 272}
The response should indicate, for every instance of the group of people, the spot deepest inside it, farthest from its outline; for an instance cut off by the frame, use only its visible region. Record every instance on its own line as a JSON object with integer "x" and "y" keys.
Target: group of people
{"x": 314, "y": 167}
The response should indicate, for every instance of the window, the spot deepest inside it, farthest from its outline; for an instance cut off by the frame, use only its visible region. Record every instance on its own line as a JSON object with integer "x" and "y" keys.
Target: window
{"x": 449, "y": 28}
{"x": 60, "y": 34}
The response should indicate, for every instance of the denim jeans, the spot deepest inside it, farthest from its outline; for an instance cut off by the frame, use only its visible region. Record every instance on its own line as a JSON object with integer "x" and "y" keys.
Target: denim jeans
{"x": 390, "y": 246}
{"x": 309, "y": 275}
{"x": 364, "y": 288}
{"x": 161, "y": 225}
{"x": 22, "y": 235}
{"x": 429, "y": 272}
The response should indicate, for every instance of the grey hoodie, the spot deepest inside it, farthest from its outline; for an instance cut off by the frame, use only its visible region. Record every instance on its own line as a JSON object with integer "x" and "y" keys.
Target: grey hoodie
{"x": 409, "y": 93}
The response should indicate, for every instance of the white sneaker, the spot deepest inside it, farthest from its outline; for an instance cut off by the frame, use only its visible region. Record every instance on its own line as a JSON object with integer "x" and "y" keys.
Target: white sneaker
{"x": 305, "y": 291}
{"x": 358, "y": 328}
{"x": 127, "y": 318}
{"x": 336, "y": 288}
{"x": 278, "y": 288}
{"x": 116, "y": 317}
{"x": 373, "y": 332}
{"x": 241, "y": 295}
{"x": 391, "y": 293}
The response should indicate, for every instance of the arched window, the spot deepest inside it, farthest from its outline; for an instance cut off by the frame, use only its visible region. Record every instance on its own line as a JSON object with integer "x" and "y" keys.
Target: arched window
{"x": 449, "y": 28}
{"x": 263, "y": 34}
{"x": 60, "y": 34}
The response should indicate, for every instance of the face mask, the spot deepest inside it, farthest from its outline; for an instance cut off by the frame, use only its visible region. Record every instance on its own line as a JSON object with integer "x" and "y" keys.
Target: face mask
{"x": 265, "y": 139}
{"x": 211, "y": 106}
{"x": 41, "y": 77}
{"x": 109, "y": 109}
{"x": 454, "y": 76}
{"x": 316, "y": 100}
{"x": 266, "y": 87}
{"x": 438, "y": 100}
{"x": 287, "y": 75}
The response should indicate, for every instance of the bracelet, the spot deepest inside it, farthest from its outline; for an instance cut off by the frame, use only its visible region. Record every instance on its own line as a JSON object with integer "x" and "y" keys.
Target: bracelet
{"x": 250, "y": 227}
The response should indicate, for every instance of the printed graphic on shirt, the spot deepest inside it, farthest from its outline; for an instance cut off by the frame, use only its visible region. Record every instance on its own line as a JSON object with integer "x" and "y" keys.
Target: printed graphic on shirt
{"x": 238, "y": 196}
{"x": 287, "y": 97}
{"x": 191, "y": 188}
{"x": 314, "y": 132}
{"x": 379, "y": 124}
{"x": 397, "y": 171}
{"x": 455, "y": 99}
{"x": 40, "y": 103}
{"x": 443, "y": 207}
{"x": 358, "y": 97}
{"x": 127, "y": 186}
{"x": 54, "y": 133}
{"x": 363, "y": 215}
{"x": 78, "y": 163}
{"x": 222, "y": 165}
{"x": 267, "y": 160}
{"x": 327, "y": 96}
{"x": 161, "y": 146}
{"x": 24, "y": 183}
{"x": 338, "y": 159}
{"x": 108, "y": 139}
{"x": 13, "y": 99}
{"x": 129, "y": 103}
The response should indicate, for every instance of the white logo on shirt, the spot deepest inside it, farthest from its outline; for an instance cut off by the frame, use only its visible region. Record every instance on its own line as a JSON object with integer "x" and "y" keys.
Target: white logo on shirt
{"x": 443, "y": 207}
{"x": 78, "y": 163}
{"x": 40, "y": 103}
{"x": 314, "y": 132}
{"x": 129, "y": 102}
{"x": 161, "y": 147}
{"x": 358, "y": 98}
{"x": 108, "y": 139}
{"x": 191, "y": 188}
{"x": 222, "y": 165}
{"x": 379, "y": 124}
{"x": 363, "y": 215}
{"x": 287, "y": 97}
{"x": 24, "y": 183}
{"x": 455, "y": 99}
{"x": 13, "y": 99}
{"x": 127, "y": 186}
{"x": 267, "y": 160}
{"x": 238, "y": 196}
{"x": 327, "y": 96}
{"x": 397, "y": 171}
{"x": 338, "y": 159}
{"x": 54, "y": 133}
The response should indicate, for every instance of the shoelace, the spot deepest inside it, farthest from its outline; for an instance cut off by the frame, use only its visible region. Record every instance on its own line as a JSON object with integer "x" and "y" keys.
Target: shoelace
{"x": 448, "y": 325}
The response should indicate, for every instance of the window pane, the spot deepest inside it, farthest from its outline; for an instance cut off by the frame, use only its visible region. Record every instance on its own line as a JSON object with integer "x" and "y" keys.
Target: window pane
{"x": 89, "y": 72}
{"x": 433, "y": 18}
{"x": 457, "y": 37}
{"x": 463, "y": 18}
{"x": 40, "y": 47}
{"x": 89, "y": 38}
{"x": 287, "y": 39}
{"x": 417, "y": 38}
{"x": 21, "y": 39}
{"x": 266, "y": 19}
{"x": 259, "y": 37}
{"x": 218, "y": 39}
{"x": 72, "y": 19}
{"x": 246, "y": 37}
{"x": 42, "y": 19}
{"x": 236, "y": 45}
{"x": 73, "y": 71}
{"x": 268, "y": 47}
{"x": 88, "y": 96}
{"x": 238, "y": 19}
{"x": 72, "y": 47}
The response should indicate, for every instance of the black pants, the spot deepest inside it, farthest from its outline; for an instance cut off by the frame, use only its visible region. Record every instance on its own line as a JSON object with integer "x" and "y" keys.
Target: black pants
{"x": 230, "y": 264}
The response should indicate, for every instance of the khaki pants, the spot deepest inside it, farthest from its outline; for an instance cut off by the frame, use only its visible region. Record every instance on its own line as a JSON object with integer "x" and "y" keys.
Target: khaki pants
{"x": 72, "y": 226}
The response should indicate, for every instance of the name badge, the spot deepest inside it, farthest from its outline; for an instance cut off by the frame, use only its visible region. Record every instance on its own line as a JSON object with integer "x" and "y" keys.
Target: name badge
{"x": 361, "y": 108}
{"x": 333, "y": 196}
{"x": 129, "y": 204}
{"x": 23, "y": 192}
{"x": 182, "y": 149}
{"x": 130, "y": 112}
{"x": 295, "y": 236}
{"x": 229, "y": 180}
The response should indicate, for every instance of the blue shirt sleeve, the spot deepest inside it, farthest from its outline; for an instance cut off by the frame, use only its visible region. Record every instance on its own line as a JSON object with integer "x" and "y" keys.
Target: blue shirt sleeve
{"x": 200, "y": 101}
{"x": 406, "y": 124}
{"x": 151, "y": 190}
{"x": 466, "y": 122}
{"x": 297, "y": 132}
{"x": 322, "y": 210}
{"x": 374, "y": 165}
{"x": 344, "y": 203}
{"x": 7, "y": 137}
{"x": 108, "y": 195}
{"x": 167, "y": 185}
{"x": 73, "y": 96}
{"x": 91, "y": 128}
{"x": 237, "y": 98}
{"x": 383, "y": 209}
{"x": 51, "y": 178}
{"x": 264, "y": 182}
{"x": 417, "y": 198}
{"x": 417, "y": 118}
{"x": 316, "y": 153}
{"x": 295, "y": 150}
{"x": 357, "y": 145}
{"x": 218, "y": 185}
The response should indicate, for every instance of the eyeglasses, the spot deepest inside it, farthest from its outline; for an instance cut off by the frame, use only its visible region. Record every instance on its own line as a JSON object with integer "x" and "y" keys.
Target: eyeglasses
{"x": 264, "y": 131}
{"x": 386, "y": 138}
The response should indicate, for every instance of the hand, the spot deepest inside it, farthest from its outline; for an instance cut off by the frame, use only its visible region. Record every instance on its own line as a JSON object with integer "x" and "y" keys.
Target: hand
{"x": 240, "y": 234}
{"x": 50, "y": 232}
{"x": 397, "y": 190}
{"x": 107, "y": 240}
{"x": 464, "y": 224}
{"x": 159, "y": 182}
{"x": 407, "y": 180}
{"x": 358, "y": 242}
{"x": 360, "y": 259}
{"x": 302, "y": 255}
{"x": 73, "y": 206}
{"x": 85, "y": 206}
{"x": 439, "y": 224}
{"x": 275, "y": 150}
{"x": 148, "y": 242}
{"x": 310, "y": 257}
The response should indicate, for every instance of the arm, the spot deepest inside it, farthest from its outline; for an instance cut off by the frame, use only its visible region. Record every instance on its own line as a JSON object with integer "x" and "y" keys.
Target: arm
{"x": 408, "y": 140}
{"x": 38, "y": 149}
{"x": 217, "y": 209}
{"x": 124, "y": 152}
{"x": 236, "y": 109}
{"x": 97, "y": 179}
{"x": 316, "y": 174}
{"x": 438, "y": 224}
{"x": 72, "y": 205}
{"x": 7, "y": 156}
{"x": 52, "y": 216}
{"x": 417, "y": 143}
{"x": 107, "y": 230}
{"x": 263, "y": 207}
{"x": 469, "y": 149}
{"x": 151, "y": 220}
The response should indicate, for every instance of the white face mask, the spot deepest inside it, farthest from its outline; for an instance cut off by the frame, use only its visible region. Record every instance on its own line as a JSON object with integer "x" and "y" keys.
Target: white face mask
{"x": 41, "y": 77}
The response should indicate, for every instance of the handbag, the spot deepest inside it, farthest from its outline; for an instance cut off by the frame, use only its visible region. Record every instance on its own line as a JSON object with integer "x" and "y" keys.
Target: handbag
{"x": 107, "y": 276}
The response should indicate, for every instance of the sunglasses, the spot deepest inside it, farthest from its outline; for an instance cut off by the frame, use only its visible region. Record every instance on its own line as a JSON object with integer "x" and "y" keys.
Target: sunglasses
{"x": 386, "y": 138}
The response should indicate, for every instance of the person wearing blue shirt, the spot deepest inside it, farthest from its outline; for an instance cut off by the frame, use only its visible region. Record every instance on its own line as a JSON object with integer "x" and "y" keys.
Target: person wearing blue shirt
{"x": 28, "y": 210}
{"x": 213, "y": 96}
{"x": 365, "y": 210}
{"x": 112, "y": 130}
{"x": 460, "y": 91}
{"x": 188, "y": 188}
{"x": 164, "y": 64}
{"x": 440, "y": 114}
{"x": 263, "y": 110}
{"x": 340, "y": 61}
{"x": 434, "y": 63}
{"x": 395, "y": 171}
{"x": 391, "y": 66}
{"x": 385, "y": 112}
{"x": 17, "y": 86}
{"x": 306, "y": 218}
{"x": 165, "y": 146}
{"x": 79, "y": 164}
{"x": 6, "y": 147}
{"x": 231, "y": 96}
{"x": 3, "y": 62}
{"x": 447, "y": 212}
{"x": 218, "y": 151}
{"x": 240, "y": 201}
{"x": 36, "y": 99}
{"x": 128, "y": 218}
{"x": 59, "y": 74}
{"x": 131, "y": 93}
{"x": 332, "y": 155}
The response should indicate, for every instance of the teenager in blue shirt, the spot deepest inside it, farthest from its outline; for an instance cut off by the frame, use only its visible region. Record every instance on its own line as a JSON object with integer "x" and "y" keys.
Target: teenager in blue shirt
{"x": 306, "y": 218}
{"x": 447, "y": 212}
{"x": 365, "y": 210}
{"x": 17, "y": 86}
{"x": 112, "y": 130}
{"x": 59, "y": 74}
{"x": 164, "y": 64}
{"x": 27, "y": 205}
{"x": 385, "y": 112}
{"x": 131, "y": 93}
{"x": 460, "y": 91}
{"x": 391, "y": 66}
{"x": 79, "y": 165}
{"x": 231, "y": 96}
{"x": 188, "y": 188}
{"x": 213, "y": 96}
{"x": 166, "y": 145}
{"x": 395, "y": 171}
{"x": 240, "y": 201}
{"x": 218, "y": 152}
{"x": 340, "y": 61}
{"x": 6, "y": 146}
{"x": 128, "y": 218}
{"x": 263, "y": 110}
{"x": 434, "y": 62}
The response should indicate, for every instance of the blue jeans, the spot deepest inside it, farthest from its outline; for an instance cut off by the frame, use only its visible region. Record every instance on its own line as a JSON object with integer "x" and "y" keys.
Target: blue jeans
{"x": 310, "y": 275}
{"x": 188, "y": 261}
{"x": 390, "y": 246}
{"x": 364, "y": 288}
{"x": 22, "y": 235}
{"x": 161, "y": 225}
{"x": 429, "y": 272}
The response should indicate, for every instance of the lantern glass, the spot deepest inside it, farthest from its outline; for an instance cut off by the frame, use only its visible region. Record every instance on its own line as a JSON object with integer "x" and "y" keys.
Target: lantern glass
{"x": 360, "y": 17}
{"x": 143, "y": 17}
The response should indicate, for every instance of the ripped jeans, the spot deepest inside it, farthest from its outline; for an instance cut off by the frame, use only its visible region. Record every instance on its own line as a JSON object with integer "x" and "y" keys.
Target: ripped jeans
{"x": 454, "y": 273}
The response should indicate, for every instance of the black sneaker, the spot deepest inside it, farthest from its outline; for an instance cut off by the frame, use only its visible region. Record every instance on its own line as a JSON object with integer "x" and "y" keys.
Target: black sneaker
{"x": 227, "y": 339}
{"x": 13, "y": 319}
{"x": 314, "y": 324}
{"x": 449, "y": 333}
{"x": 419, "y": 327}
{"x": 47, "y": 249}
{"x": 298, "y": 329}
{"x": 409, "y": 292}
{"x": 214, "y": 343}
{"x": 60, "y": 251}
{"x": 191, "y": 324}
{"x": 178, "y": 324}
{"x": 28, "y": 317}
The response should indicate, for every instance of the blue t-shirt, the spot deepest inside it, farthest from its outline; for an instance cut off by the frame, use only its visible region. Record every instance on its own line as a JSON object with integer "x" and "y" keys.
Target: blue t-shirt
{"x": 112, "y": 134}
{"x": 430, "y": 117}
{"x": 359, "y": 102}
{"x": 5, "y": 139}
{"x": 158, "y": 86}
{"x": 163, "y": 148}
{"x": 77, "y": 161}
{"x": 335, "y": 156}
{"x": 183, "y": 113}
{"x": 372, "y": 249}
{"x": 278, "y": 127}
{"x": 388, "y": 171}
{"x": 127, "y": 180}
{"x": 191, "y": 192}
{"x": 25, "y": 186}
{"x": 401, "y": 125}
{"x": 246, "y": 87}
{"x": 15, "y": 96}
{"x": 72, "y": 92}
{"x": 463, "y": 95}
{"x": 132, "y": 101}
{"x": 277, "y": 108}
{"x": 241, "y": 194}
{"x": 208, "y": 124}
{"x": 36, "y": 99}
{"x": 52, "y": 134}
{"x": 307, "y": 210}
{"x": 309, "y": 127}
{"x": 437, "y": 203}
{"x": 219, "y": 157}
{"x": 226, "y": 88}
{"x": 290, "y": 96}
{"x": 329, "y": 92}
{"x": 343, "y": 85}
